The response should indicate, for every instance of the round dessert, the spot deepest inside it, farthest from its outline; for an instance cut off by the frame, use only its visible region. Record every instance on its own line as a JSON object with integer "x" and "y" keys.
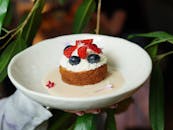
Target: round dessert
{"x": 83, "y": 63}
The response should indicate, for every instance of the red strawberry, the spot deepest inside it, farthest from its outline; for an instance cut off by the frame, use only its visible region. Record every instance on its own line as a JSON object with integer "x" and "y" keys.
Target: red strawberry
{"x": 82, "y": 52}
{"x": 86, "y": 41}
{"x": 95, "y": 48}
{"x": 69, "y": 51}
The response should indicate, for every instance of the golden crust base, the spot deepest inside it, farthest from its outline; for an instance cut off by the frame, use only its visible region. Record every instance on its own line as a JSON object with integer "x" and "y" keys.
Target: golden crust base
{"x": 84, "y": 77}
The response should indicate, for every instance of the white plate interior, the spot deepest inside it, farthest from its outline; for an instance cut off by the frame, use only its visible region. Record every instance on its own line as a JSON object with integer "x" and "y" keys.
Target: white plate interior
{"x": 26, "y": 69}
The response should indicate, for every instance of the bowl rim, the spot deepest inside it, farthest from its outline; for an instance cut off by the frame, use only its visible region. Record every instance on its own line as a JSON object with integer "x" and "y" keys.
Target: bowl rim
{"x": 74, "y": 99}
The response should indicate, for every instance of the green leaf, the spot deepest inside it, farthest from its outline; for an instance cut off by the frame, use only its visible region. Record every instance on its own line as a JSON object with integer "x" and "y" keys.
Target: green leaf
{"x": 159, "y": 35}
{"x": 12, "y": 49}
{"x": 162, "y": 56}
{"x": 83, "y": 15}
{"x": 71, "y": 127}
{"x": 61, "y": 122}
{"x": 7, "y": 54}
{"x": 156, "y": 99}
{"x": 86, "y": 122}
{"x": 9, "y": 15}
{"x": 3, "y": 11}
{"x": 3, "y": 75}
{"x": 62, "y": 2}
{"x": 153, "y": 51}
{"x": 156, "y": 42}
{"x": 110, "y": 120}
{"x": 33, "y": 24}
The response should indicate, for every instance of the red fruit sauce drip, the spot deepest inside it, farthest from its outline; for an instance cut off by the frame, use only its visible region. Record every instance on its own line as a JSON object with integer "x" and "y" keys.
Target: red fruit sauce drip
{"x": 50, "y": 84}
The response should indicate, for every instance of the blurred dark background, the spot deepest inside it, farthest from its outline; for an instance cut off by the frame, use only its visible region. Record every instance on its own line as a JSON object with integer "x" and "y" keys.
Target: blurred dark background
{"x": 119, "y": 18}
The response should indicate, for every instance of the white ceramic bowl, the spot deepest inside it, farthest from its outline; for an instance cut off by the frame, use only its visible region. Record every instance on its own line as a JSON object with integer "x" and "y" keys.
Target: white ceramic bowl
{"x": 27, "y": 68}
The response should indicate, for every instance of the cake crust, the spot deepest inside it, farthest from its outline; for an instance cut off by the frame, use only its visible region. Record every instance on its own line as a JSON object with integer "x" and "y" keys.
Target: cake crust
{"x": 83, "y": 77}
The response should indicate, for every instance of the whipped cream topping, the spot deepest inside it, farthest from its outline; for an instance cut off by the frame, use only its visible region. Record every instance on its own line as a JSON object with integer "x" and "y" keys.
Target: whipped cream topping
{"x": 84, "y": 65}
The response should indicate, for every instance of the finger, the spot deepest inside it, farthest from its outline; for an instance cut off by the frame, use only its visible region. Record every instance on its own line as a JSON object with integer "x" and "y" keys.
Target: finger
{"x": 93, "y": 111}
{"x": 114, "y": 106}
{"x": 79, "y": 113}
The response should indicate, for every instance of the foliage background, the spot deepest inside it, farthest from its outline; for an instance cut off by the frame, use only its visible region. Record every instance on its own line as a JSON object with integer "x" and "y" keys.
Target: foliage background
{"x": 19, "y": 36}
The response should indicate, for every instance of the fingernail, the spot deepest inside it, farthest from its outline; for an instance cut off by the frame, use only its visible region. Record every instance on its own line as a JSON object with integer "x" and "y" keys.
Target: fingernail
{"x": 114, "y": 106}
{"x": 97, "y": 111}
{"x": 79, "y": 113}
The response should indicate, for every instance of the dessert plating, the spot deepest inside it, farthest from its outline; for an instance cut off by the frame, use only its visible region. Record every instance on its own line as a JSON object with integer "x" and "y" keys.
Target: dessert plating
{"x": 83, "y": 63}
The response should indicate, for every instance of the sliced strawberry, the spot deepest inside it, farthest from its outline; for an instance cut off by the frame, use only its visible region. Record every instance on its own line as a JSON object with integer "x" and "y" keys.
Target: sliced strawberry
{"x": 82, "y": 52}
{"x": 69, "y": 51}
{"x": 94, "y": 48}
{"x": 85, "y": 41}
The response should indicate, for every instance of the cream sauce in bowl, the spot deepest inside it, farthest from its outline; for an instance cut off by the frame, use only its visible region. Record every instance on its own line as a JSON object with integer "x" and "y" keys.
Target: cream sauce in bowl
{"x": 109, "y": 85}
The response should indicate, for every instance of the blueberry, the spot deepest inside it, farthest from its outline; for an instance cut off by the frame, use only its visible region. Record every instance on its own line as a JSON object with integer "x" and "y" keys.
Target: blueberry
{"x": 74, "y": 60}
{"x": 67, "y": 47}
{"x": 93, "y": 58}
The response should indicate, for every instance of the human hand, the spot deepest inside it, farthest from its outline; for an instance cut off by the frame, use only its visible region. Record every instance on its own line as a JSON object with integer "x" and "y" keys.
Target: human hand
{"x": 120, "y": 107}
{"x": 92, "y": 111}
